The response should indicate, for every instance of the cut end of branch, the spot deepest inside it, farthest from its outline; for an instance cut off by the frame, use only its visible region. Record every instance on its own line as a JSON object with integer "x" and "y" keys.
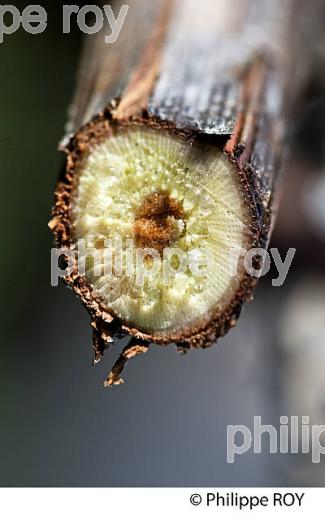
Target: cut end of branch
{"x": 169, "y": 184}
{"x": 163, "y": 216}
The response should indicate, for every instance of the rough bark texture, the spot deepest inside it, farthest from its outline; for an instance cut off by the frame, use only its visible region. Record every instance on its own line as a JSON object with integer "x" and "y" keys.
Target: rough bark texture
{"x": 210, "y": 70}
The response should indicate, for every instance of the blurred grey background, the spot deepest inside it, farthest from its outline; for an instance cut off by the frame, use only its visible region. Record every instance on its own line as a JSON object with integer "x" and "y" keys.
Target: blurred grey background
{"x": 167, "y": 425}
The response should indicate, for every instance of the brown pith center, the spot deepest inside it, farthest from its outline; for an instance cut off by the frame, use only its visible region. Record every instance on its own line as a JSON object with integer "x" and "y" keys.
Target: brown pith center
{"x": 158, "y": 222}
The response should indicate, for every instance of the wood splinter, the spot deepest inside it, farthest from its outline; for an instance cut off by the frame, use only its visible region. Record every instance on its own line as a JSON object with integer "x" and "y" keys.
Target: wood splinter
{"x": 133, "y": 349}
{"x": 174, "y": 140}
